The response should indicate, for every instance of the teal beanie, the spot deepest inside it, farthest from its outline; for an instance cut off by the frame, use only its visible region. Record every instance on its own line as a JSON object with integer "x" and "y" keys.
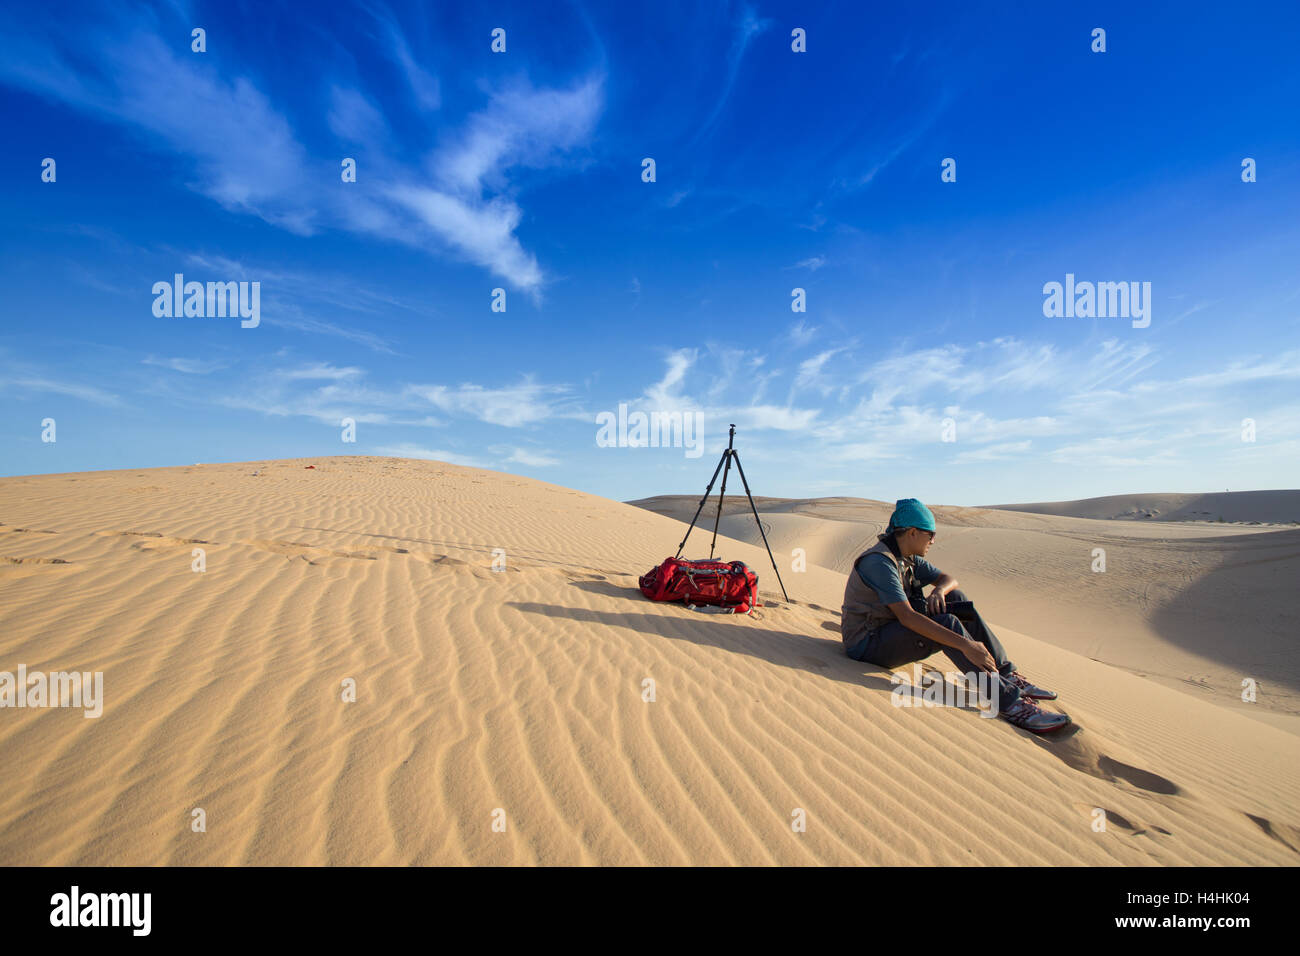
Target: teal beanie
{"x": 910, "y": 513}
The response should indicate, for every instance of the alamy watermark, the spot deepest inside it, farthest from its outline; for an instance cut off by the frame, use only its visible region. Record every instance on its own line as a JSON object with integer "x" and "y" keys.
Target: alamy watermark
{"x": 658, "y": 429}
{"x": 1100, "y": 300}
{"x": 954, "y": 689}
{"x": 57, "y": 689}
{"x": 213, "y": 300}
{"x": 129, "y": 910}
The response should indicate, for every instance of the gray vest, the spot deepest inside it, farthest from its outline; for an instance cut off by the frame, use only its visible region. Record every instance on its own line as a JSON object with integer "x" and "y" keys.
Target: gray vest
{"x": 863, "y": 612}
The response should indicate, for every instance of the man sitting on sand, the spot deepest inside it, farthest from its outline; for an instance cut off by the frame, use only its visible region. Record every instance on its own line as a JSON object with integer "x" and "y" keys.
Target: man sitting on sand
{"x": 880, "y": 625}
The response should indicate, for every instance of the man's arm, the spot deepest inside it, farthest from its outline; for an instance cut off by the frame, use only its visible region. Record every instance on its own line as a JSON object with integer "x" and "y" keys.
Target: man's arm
{"x": 883, "y": 578}
{"x": 944, "y": 583}
{"x": 927, "y": 627}
{"x": 936, "y": 602}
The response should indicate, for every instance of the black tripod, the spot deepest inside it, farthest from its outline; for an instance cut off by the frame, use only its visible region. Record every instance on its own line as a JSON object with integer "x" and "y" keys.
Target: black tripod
{"x": 728, "y": 454}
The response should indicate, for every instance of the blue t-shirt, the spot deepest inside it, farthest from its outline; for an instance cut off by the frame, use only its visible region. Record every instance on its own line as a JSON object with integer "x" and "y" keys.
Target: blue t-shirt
{"x": 880, "y": 574}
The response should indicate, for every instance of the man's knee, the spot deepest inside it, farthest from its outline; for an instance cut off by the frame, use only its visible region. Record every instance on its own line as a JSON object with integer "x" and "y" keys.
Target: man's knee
{"x": 956, "y": 594}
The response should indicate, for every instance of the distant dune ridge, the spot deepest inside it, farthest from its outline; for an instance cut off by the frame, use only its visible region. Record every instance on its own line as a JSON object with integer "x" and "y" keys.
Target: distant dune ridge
{"x": 520, "y": 695}
{"x": 1252, "y": 507}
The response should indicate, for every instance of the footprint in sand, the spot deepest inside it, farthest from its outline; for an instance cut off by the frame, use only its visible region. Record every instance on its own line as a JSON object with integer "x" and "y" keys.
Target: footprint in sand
{"x": 1085, "y": 756}
{"x": 13, "y": 568}
{"x": 583, "y": 575}
{"x": 315, "y": 554}
{"x": 1082, "y": 752}
{"x": 151, "y": 540}
{"x": 310, "y": 553}
{"x": 1284, "y": 833}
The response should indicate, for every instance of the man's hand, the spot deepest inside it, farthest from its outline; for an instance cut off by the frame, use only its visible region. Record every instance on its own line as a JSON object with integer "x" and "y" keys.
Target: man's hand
{"x": 980, "y": 656}
{"x": 935, "y": 603}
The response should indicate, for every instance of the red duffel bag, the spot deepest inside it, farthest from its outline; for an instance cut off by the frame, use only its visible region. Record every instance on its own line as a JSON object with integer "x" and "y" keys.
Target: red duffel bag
{"x": 725, "y": 584}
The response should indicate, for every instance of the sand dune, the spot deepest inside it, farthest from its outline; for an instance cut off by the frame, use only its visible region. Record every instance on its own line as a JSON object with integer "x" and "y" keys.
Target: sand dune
{"x": 521, "y": 691}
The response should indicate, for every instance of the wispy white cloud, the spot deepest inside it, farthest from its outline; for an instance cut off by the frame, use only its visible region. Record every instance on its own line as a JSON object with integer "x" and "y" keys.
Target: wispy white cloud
{"x": 185, "y": 365}
{"x": 411, "y": 450}
{"x": 523, "y": 456}
{"x": 527, "y": 403}
{"x": 290, "y": 316}
{"x": 879, "y": 160}
{"x": 669, "y": 394}
{"x": 320, "y": 370}
{"x": 482, "y": 231}
{"x": 23, "y": 379}
{"x": 244, "y": 154}
{"x": 520, "y": 127}
{"x": 775, "y": 417}
{"x": 802, "y": 333}
{"x": 1009, "y": 364}
{"x": 1005, "y": 451}
{"x": 1110, "y": 452}
{"x": 865, "y": 178}
{"x": 88, "y": 278}
{"x": 424, "y": 86}
{"x": 329, "y": 404}
{"x": 810, "y": 373}
{"x": 1281, "y": 366}
{"x": 35, "y": 385}
{"x": 296, "y": 286}
{"x": 664, "y": 391}
{"x": 1198, "y": 307}
{"x": 862, "y": 451}
{"x": 733, "y": 365}
{"x": 976, "y": 426}
{"x": 748, "y": 25}
{"x": 353, "y": 118}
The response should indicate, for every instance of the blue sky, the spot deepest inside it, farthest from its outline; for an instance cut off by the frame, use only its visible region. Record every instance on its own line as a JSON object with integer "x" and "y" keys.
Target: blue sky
{"x": 775, "y": 170}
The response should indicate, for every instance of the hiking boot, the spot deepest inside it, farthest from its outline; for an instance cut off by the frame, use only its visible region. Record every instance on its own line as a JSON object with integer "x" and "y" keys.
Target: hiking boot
{"x": 1024, "y": 713}
{"x": 1029, "y": 690}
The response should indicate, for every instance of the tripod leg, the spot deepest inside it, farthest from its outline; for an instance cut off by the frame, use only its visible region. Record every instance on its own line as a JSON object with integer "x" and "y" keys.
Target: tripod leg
{"x": 736, "y": 454}
{"x": 707, "y": 492}
{"x": 721, "y": 495}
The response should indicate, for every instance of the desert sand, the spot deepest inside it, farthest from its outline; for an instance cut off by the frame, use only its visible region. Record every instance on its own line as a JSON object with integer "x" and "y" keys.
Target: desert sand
{"x": 516, "y": 696}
